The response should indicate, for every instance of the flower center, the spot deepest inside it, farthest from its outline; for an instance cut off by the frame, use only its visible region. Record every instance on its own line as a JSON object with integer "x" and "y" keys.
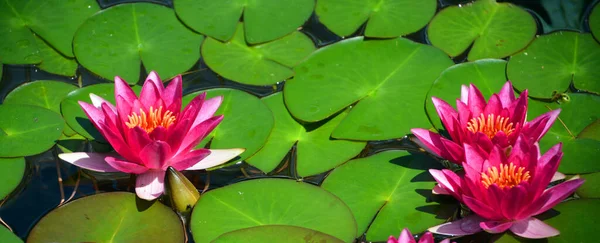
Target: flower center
{"x": 508, "y": 176}
{"x": 150, "y": 121}
{"x": 490, "y": 126}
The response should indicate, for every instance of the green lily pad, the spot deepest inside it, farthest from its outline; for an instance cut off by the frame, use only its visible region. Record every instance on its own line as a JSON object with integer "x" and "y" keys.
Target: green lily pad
{"x": 387, "y": 192}
{"x": 19, "y": 20}
{"x": 594, "y": 22}
{"x": 264, "y": 20}
{"x": 8, "y": 237}
{"x": 117, "y": 40}
{"x": 262, "y": 64}
{"x": 388, "y": 79}
{"x": 384, "y": 18}
{"x": 578, "y": 112}
{"x": 53, "y": 61}
{"x": 270, "y": 202}
{"x": 591, "y": 187}
{"x": 247, "y": 121}
{"x": 28, "y": 130}
{"x": 11, "y": 173}
{"x": 109, "y": 217}
{"x": 316, "y": 151}
{"x": 584, "y": 229}
{"x": 494, "y": 30}
{"x": 574, "y": 56}
{"x": 71, "y": 144}
{"x": 277, "y": 233}
{"x": 487, "y": 74}
{"x": 43, "y": 93}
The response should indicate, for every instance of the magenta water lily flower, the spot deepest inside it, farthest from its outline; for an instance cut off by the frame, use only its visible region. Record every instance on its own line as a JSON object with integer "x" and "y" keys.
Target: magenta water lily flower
{"x": 407, "y": 237}
{"x": 505, "y": 191}
{"x": 485, "y": 124}
{"x": 150, "y": 133}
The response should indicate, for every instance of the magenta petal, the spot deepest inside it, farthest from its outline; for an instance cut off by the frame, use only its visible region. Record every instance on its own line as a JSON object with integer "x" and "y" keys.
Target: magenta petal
{"x": 475, "y": 157}
{"x": 156, "y": 155}
{"x": 177, "y": 133}
{"x": 187, "y": 160}
{"x": 122, "y": 89}
{"x": 518, "y": 109}
{"x": 447, "y": 183}
{"x": 494, "y": 106}
{"x": 447, "y": 114}
{"x": 506, "y": 94}
{"x": 476, "y": 101}
{"x": 116, "y": 141}
{"x": 208, "y": 109}
{"x": 481, "y": 208}
{"x": 149, "y": 97}
{"x": 155, "y": 79}
{"x": 495, "y": 227}
{"x": 150, "y": 185}
{"x": 125, "y": 166}
{"x": 426, "y": 238}
{"x": 94, "y": 114}
{"x": 439, "y": 190}
{"x": 466, "y": 226}
{"x": 97, "y": 101}
{"x": 536, "y": 128}
{"x": 217, "y": 157}
{"x": 137, "y": 138}
{"x": 392, "y": 239}
{"x": 533, "y": 228}
{"x": 89, "y": 161}
{"x": 438, "y": 145}
{"x": 191, "y": 109}
{"x": 514, "y": 201}
{"x": 558, "y": 193}
{"x": 406, "y": 236}
{"x": 172, "y": 95}
{"x": 197, "y": 133}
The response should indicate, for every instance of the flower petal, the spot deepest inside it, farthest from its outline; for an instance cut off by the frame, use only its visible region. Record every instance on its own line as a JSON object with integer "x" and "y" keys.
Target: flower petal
{"x": 94, "y": 114}
{"x": 466, "y": 226}
{"x": 172, "y": 95}
{"x": 156, "y": 155}
{"x": 406, "y": 236}
{"x": 506, "y": 95}
{"x": 125, "y": 166}
{"x": 149, "y": 96}
{"x": 187, "y": 160}
{"x": 447, "y": 114}
{"x": 558, "y": 193}
{"x": 439, "y": 190}
{"x": 449, "y": 181}
{"x": 481, "y": 208}
{"x": 438, "y": 145}
{"x": 208, "y": 109}
{"x": 533, "y": 228}
{"x": 426, "y": 238}
{"x": 89, "y": 161}
{"x": 122, "y": 89}
{"x": 557, "y": 177}
{"x": 199, "y": 132}
{"x": 217, "y": 157}
{"x": 97, "y": 101}
{"x": 518, "y": 109}
{"x": 150, "y": 185}
{"x": 536, "y": 128}
{"x": 495, "y": 227}
{"x": 464, "y": 94}
{"x": 155, "y": 79}
{"x": 476, "y": 102}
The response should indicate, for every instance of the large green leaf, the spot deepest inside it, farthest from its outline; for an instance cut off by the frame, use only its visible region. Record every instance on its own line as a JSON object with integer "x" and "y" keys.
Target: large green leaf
{"x": 8, "y": 237}
{"x": 494, "y": 30}
{"x": 552, "y": 61}
{"x": 11, "y": 172}
{"x": 109, "y": 217}
{"x": 487, "y": 74}
{"x": 591, "y": 187}
{"x": 581, "y": 150}
{"x": 577, "y": 221}
{"x": 270, "y": 202}
{"x": 20, "y": 19}
{"x": 117, "y": 40}
{"x": 264, "y": 20}
{"x": 388, "y": 79}
{"x": 277, "y": 233}
{"x": 43, "y": 93}
{"x": 28, "y": 130}
{"x": 594, "y": 22}
{"x": 247, "y": 121}
{"x": 262, "y": 64}
{"x": 316, "y": 151}
{"x": 385, "y": 18}
{"x": 387, "y": 192}
{"x": 53, "y": 61}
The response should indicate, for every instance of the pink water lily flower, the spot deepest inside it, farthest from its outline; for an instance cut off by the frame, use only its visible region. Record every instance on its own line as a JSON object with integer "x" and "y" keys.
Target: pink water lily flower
{"x": 151, "y": 133}
{"x": 498, "y": 122}
{"x": 407, "y": 237}
{"x": 506, "y": 191}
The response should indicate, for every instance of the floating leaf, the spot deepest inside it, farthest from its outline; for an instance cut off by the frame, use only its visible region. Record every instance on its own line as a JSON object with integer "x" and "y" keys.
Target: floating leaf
{"x": 19, "y": 20}
{"x": 552, "y": 61}
{"x": 247, "y": 121}
{"x": 117, "y": 40}
{"x": 388, "y": 79}
{"x": 43, "y": 93}
{"x": 594, "y": 21}
{"x": 109, "y": 217}
{"x": 277, "y": 233}
{"x": 270, "y": 202}
{"x": 316, "y": 151}
{"x": 578, "y": 111}
{"x": 53, "y": 61}
{"x": 384, "y": 18}
{"x": 263, "y": 64}
{"x": 264, "y": 20}
{"x": 583, "y": 229}
{"x": 8, "y": 237}
{"x": 11, "y": 172}
{"x": 494, "y": 30}
{"x": 28, "y": 130}
{"x": 487, "y": 74}
{"x": 591, "y": 187}
{"x": 387, "y": 192}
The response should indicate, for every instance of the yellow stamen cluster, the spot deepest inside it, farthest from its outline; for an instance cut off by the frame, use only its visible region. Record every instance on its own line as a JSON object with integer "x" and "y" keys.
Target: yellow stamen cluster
{"x": 152, "y": 120}
{"x": 508, "y": 176}
{"x": 491, "y": 125}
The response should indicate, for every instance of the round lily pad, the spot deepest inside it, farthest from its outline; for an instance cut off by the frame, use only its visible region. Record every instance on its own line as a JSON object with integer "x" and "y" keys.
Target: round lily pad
{"x": 53, "y": 61}
{"x": 117, "y": 40}
{"x": 247, "y": 121}
{"x": 19, "y": 20}
{"x": 591, "y": 187}
{"x": 277, "y": 233}
{"x": 11, "y": 173}
{"x": 43, "y": 93}
{"x": 584, "y": 229}
{"x": 316, "y": 151}
{"x": 384, "y": 18}
{"x": 270, "y": 202}
{"x": 109, "y": 217}
{"x": 28, "y": 130}
{"x": 264, "y": 20}
{"x": 580, "y": 146}
{"x": 594, "y": 22}
{"x": 494, "y": 30}
{"x": 487, "y": 74}
{"x": 388, "y": 192}
{"x": 387, "y": 79}
{"x": 574, "y": 57}
{"x": 262, "y": 64}
{"x": 8, "y": 237}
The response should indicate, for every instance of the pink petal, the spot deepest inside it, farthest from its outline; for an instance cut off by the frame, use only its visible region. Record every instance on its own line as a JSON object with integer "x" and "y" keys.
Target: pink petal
{"x": 557, "y": 177}
{"x": 464, "y": 94}
{"x": 97, "y": 101}
{"x": 198, "y": 133}
{"x": 466, "y": 226}
{"x": 217, "y": 157}
{"x": 150, "y": 185}
{"x": 406, "y": 237}
{"x": 172, "y": 95}
{"x": 495, "y": 227}
{"x": 392, "y": 239}
{"x": 137, "y": 138}
{"x": 187, "y": 160}
{"x": 546, "y": 168}
{"x": 122, "y": 89}
{"x": 447, "y": 114}
{"x": 125, "y": 166}
{"x": 475, "y": 157}
{"x": 449, "y": 181}
{"x": 434, "y": 142}
{"x": 494, "y": 106}
{"x": 506, "y": 94}
{"x": 481, "y": 208}
{"x": 177, "y": 133}
{"x": 159, "y": 133}
{"x": 439, "y": 190}
{"x": 536, "y": 128}
{"x": 533, "y": 228}
{"x": 94, "y": 114}
{"x": 156, "y": 155}
{"x": 116, "y": 141}
{"x": 514, "y": 201}
{"x": 426, "y": 238}
{"x": 453, "y": 152}
{"x": 518, "y": 109}
{"x": 558, "y": 193}
{"x": 124, "y": 109}
{"x": 476, "y": 101}
{"x": 208, "y": 109}
{"x": 155, "y": 79}
{"x": 191, "y": 109}
{"x": 89, "y": 161}
{"x": 149, "y": 97}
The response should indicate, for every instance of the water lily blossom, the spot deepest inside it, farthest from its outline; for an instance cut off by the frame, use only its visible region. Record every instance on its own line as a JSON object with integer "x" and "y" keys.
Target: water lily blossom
{"x": 505, "y": 191}
{"x": 477, "y": 122}
{"x": 151, "y": 132}
{"x": 407, "y": 237}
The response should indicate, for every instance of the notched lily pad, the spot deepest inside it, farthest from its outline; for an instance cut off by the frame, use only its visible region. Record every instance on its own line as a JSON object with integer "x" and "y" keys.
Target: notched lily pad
{"x": 11, "y": 173}
{"x": 561, "y": 217}
{"x": 494, "y": 30}
{"x": 277, "y": 233}
{"x": 43, "y": 93}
